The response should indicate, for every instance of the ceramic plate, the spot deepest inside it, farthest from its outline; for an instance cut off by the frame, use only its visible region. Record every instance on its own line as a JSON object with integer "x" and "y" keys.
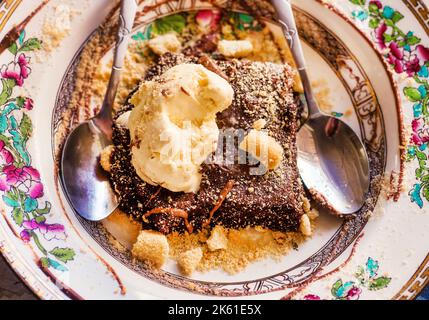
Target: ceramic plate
{"x": 374, "y": 59}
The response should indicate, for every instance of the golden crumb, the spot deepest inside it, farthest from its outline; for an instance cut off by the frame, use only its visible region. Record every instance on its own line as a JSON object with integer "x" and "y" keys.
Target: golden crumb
{"x": 250, "y": 245}
{"x": 151, "y": 247}
{"x": 105, "y": 156}
{"x": 218, "y": 239}
{"x": 305, "y": 226}
{"x": 56, "y": 27}
{"x": 165, "y": 43}
{"x": 313, "y": 214}
{"x": 189, "y": 260}
{"x": 235, "y": 48}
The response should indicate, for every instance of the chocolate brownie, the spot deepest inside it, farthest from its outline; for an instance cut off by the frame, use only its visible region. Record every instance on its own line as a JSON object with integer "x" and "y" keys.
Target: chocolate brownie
{"x": 229, "y": 195}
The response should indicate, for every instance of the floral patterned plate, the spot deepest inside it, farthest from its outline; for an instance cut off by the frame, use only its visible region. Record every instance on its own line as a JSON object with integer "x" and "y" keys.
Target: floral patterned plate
{"x": 374, "y": 58}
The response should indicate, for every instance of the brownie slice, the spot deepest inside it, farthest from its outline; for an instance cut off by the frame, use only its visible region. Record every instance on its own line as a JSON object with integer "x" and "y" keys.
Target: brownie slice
{"x": 272, "y": 200}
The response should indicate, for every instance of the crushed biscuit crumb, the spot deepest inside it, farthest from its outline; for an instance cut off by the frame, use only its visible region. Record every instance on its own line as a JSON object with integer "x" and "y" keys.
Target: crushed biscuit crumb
{"x": 189, "y": 260}
{"x": 218, "y": 239}
{"x": 151, "y": 247}
{"x": 105, "y": 157}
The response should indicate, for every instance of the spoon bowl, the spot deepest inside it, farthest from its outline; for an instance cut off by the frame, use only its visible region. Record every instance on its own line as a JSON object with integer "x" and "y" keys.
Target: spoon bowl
{"x": 86, "y": 184}
{"x": 333, "y": 164}
{"x": 332, "y": 160}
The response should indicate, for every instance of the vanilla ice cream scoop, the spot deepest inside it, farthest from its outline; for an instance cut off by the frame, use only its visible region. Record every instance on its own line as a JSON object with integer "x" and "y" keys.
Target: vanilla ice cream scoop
{"x": 173, "y": 125}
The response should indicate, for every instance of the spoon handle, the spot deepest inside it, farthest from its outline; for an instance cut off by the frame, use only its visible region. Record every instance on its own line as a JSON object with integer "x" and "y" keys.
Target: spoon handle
{"x": 126, "y": 21}
{"x": 287, "y": 21}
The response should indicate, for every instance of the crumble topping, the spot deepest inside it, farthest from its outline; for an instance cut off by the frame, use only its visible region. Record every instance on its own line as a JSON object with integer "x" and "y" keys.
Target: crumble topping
{"x": 151, "y": 247}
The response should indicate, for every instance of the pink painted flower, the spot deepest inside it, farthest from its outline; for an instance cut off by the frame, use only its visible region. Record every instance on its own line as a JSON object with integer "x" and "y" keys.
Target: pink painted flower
{"x": 28, "y": 104}
{"x": 403, "y": 61}
{"x": 420, "y": 133}
{"x": 312, "y": 297}
{"x": 5, "y": 155}
{"x": 208, "y": 19}
{"x": 422, "y": 53}
{"x": 49, "y": 231}
{"x": 354, "y": 293}
{"x": 379, "y": 35}
{"x": 25, "y": 236}
{"x": 396, "y": 57}
{"x": 18, "y": 70}
{"x": 26, "y": 179}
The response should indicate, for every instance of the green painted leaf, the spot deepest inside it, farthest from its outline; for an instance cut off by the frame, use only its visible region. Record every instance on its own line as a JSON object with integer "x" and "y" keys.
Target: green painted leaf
{"x": 18, "y": 216}
{"x": 31, "y": 45}
{"x": 20, "y": 101}
{"x": 426, "y": 191}
{"x": 360, "y": 274}
{"x": 413, "y": 40}
{"x": 358, "y": 2}
{"x": 63, "y": 254}
{"x": 374, "y": 23}
{"x": 25, "y": 127}
{"x": 422, "y": 157}
{"x": 168, "y": 24}
{"x": 7, "y": 89}
{"x": 373, "y": 8}
{"x": 46, "y": 209}
{"x": 397, "y": 16}
{"x": 40, "y": 219}
{"x": 379, "y": 283}
{"x": 45, "y": 262}
{"x": 413, "y": 94}
{"x": 13, "y": 48}
{"x": 337, "y": 285}
{"x": 389, "y": 23}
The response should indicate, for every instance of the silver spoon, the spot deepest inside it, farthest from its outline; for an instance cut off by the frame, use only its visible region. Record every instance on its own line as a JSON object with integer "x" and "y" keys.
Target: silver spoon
{"x": 332, "y": 160}
{"x": 85, "y": 184}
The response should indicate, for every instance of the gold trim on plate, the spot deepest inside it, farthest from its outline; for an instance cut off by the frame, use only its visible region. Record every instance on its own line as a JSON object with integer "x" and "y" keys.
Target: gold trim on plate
{"x": 7, "y": 8}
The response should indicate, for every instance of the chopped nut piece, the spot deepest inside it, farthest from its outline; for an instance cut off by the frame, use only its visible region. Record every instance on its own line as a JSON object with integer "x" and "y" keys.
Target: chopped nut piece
{"x": 259, "y": 124}
{"x": 165, "y": 43}
{"x": 151, "y": 247}
{"x": 264, "y": 148}
{"x": 305, "y": 226}
{"x": 105, "y": 157}
{"x": 189, "y": 260}
{"x": 218, "y": 239}
{"x": 313, "y": 214}
{"x": 235, "y": 48}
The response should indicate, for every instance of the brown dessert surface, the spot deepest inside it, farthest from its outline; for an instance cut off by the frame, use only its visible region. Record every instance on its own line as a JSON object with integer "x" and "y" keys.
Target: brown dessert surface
{"x": 272, "y": 200}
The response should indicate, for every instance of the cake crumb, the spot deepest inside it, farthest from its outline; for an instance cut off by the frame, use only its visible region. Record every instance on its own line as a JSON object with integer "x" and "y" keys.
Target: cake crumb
{"x": 189, "y": 260}
{"x": 56, "y": 27}
{"x": 218, "y": 239}
{"x": 105, "y": 157}
{"x": 305, "y": 226}
{"x": 235, "y": 48}
{"x": 165, "y": 43}
{"x": 151, "y": 247}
